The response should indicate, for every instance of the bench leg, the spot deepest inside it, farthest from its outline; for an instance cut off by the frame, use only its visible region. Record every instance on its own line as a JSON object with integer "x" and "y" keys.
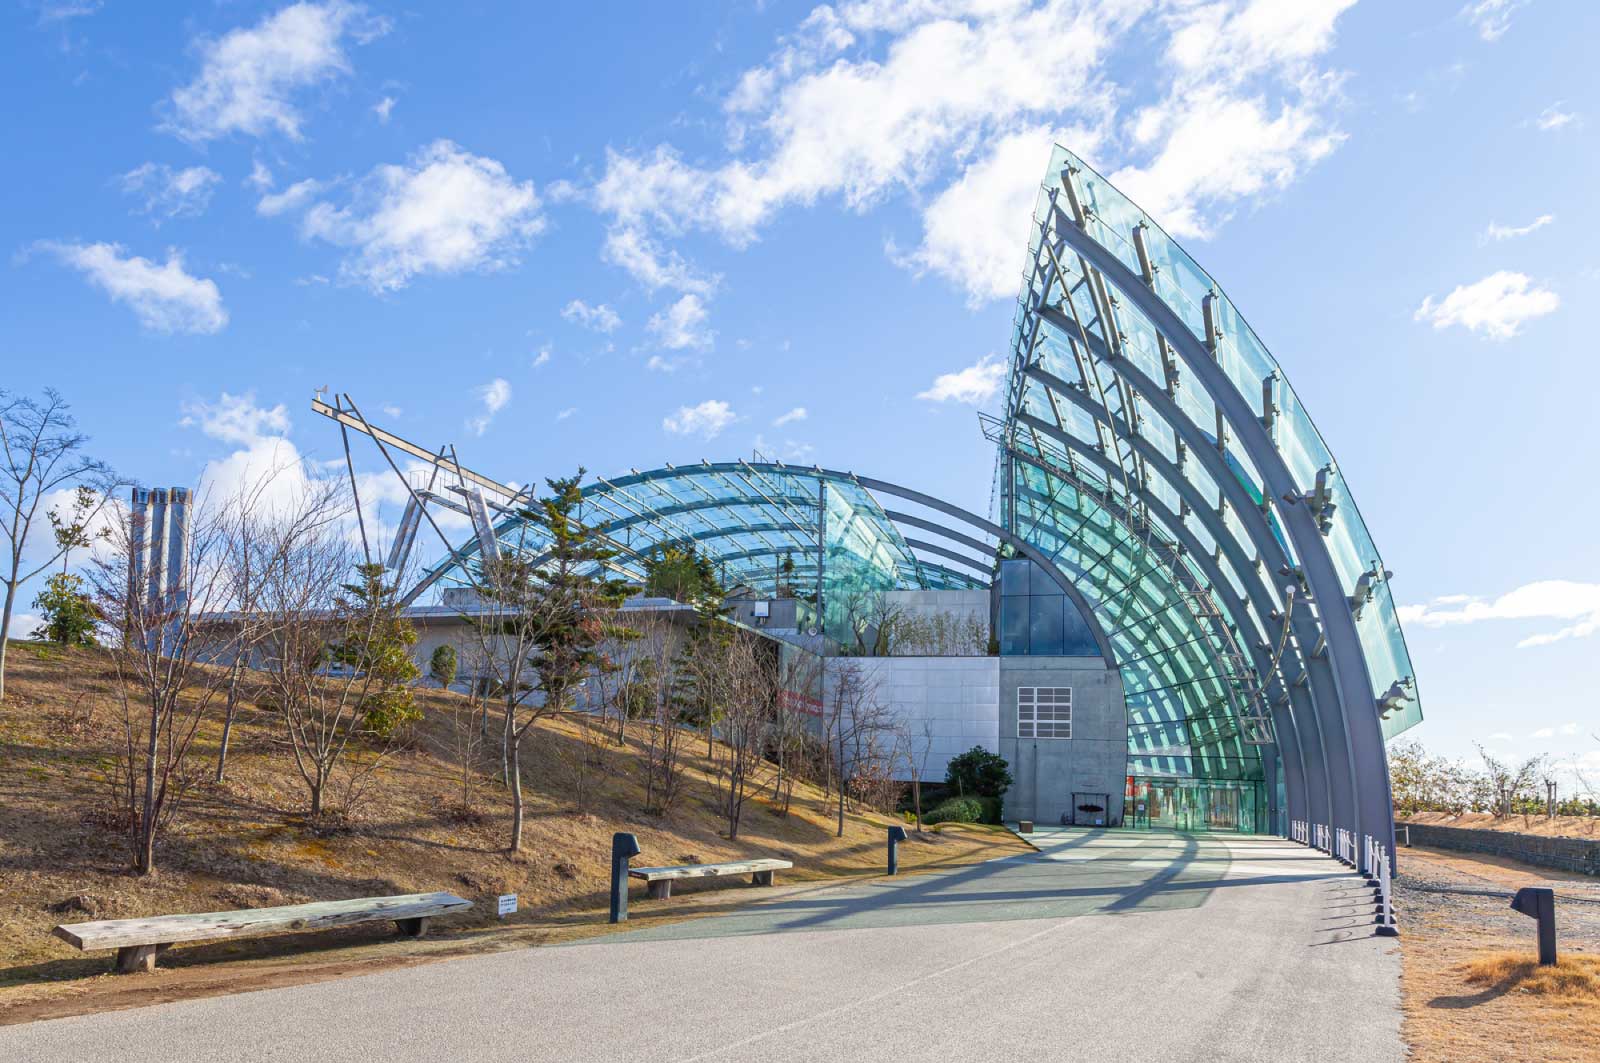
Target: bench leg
{"x": 661, "y": 889}
{"x": 761, "y": 878}
{"x": 134, "y": 958}
{"x": 412, "y": 928}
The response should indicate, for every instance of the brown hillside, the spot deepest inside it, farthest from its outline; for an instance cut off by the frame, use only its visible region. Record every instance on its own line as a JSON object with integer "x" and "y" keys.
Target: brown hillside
{"x": 245, "y": 843}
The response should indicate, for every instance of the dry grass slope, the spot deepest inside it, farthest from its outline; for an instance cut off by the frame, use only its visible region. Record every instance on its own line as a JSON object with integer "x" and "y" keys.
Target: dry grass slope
{"x": 245, "y": 843}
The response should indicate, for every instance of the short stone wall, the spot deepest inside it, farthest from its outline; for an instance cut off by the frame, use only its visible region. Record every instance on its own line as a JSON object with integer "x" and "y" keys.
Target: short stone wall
{"x": 1567, "y": 854}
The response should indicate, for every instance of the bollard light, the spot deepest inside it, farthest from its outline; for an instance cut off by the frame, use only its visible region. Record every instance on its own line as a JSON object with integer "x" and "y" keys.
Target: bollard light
{"x": 896, "y": 836}
{"x": 623, "y": 848}
{"x": 1539, "y": 902}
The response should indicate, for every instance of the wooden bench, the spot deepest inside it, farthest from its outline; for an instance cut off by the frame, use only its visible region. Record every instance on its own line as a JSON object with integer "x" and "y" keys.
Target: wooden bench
{"x": 660, "y": 879}
{"x": 139, "y": 941}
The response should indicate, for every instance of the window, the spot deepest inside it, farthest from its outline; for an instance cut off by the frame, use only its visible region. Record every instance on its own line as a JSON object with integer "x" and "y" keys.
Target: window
{"x": 1044, "y": 712}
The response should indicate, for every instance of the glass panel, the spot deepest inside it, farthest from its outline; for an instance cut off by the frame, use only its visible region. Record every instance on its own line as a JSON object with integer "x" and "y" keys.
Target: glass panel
{"x": 1044, "y": 625}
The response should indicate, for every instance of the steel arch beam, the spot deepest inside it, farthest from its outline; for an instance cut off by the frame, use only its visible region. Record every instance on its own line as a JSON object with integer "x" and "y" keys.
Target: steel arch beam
{"x": 1323, "y": 689}
{"x": 1366, "y": 801}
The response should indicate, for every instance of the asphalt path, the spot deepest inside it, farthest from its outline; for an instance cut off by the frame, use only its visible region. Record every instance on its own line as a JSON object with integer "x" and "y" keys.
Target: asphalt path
{"x": 1105, "y": 946}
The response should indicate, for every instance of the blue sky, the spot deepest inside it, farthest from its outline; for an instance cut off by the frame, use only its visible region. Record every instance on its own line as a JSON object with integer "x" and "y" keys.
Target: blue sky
{"x": 626, "y": 235}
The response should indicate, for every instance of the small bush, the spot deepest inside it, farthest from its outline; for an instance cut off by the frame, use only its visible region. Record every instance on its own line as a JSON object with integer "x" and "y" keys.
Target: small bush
{"x": 955, "y": 810}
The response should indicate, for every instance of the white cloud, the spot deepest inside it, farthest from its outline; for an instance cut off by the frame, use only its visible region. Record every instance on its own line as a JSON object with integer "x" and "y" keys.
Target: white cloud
{"x": 976, "y": 230}
{"x": 1543, "y": 732}
{"x": 166, "y": 298}
{"x": 1502, "y": 736}
{"x": 789, "y": 450}
{"x": 250, "y": 79}
{"x": 260, "y": 177}
{"x": 236, "y": 419}
{"x": 706, "y": 420}
{"x": 264, "y": 464}
{"x": 658, "y": 364}
{"x": 629, "y": 246}
{"x": 1564, "y": 600}
{"x": 444, "y": 211}
{"x": 681, "y": 325}
{"x": 1496, "y": 306}
{"x": 294, "y": 197}
{"x": 861, "y": 104}
{"x": 1491, "y": 18}
{"x": 564, "y": 414}
{"x": 392, "y": 411}
{"x": 1496, "y": 231}
{"x": 169, "y": 193}
{"x": 974, "y": 385}
{"x": 599, "y": 318}
{"x": 383, "y": 109}
{"x": 1553, "y": 118}
{"x": 61, "y": 10}
{"x": 23, "y": 625}
{"x": 543, "y": 357}
{"x": 494, "y": 395}
{"x": 796, "y": 414}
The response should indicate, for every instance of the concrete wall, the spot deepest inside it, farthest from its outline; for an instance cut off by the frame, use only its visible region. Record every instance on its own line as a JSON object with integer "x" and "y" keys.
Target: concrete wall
{"x": 1046, "y": 772}
{"x": 949, "y": 704}
{"x": 1567, "y": 854}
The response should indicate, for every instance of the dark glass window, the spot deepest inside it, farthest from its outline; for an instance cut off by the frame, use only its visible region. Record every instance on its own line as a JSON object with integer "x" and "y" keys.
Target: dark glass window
{"x": 1014, "y": 577}
{"x": 1014, "y": 625}
{"x": 1044, "y": 625}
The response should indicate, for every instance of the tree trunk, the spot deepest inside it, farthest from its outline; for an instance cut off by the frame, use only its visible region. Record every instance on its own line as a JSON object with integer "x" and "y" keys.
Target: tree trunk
{"x": 5, "y": 632}
{"x": 227, "y": 721}
{"x": 145, "y": 859}
{"x": 514, "y": 769}
{"x": 316, "y": 794}
{"x": 916, "y": 801}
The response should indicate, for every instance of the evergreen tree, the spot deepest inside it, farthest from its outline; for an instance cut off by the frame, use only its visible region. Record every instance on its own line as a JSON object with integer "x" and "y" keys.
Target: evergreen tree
{"x": 377, "y": 642}
{"x": 70, "y": 615}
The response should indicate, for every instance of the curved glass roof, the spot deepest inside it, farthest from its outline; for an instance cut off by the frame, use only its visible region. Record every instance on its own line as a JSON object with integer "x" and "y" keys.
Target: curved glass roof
{"x": 749, "y": 518}
{"x": 1114, "y": 458}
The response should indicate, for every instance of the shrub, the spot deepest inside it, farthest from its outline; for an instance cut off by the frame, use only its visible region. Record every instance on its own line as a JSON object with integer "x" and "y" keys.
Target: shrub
{"x": 955, "y": 810}
{"x": 978, "y": 772}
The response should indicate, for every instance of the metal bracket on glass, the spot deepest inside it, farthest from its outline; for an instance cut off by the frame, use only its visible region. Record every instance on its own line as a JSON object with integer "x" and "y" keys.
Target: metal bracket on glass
{"x": 1319, "y": 499}
{"x": 1365, "y": 586}
{"x": 1394, "y": 699}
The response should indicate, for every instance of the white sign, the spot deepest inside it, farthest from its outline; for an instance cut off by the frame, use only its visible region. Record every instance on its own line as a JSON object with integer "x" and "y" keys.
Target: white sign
{"x": 508, "y": 903}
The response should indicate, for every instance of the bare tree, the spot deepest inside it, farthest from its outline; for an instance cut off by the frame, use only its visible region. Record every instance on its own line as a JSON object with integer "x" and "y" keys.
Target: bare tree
{"x": 337, "y": 656}
{"x": 41, "y": 452}
{"x": 751, "y": 667}
{"x": 1510, "y": 782}
{"x": 165, "y": 689}
{"x": 263, "y": 533}
{"x": 856, "y": 723}
{"x": 657, "y": 649}
{"x": 799, "y": 675}
{"x": 915, "y": 749}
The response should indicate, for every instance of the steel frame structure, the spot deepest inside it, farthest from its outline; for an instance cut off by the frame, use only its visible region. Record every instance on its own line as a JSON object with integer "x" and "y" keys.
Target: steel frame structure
{"x": 1130, "y": 364}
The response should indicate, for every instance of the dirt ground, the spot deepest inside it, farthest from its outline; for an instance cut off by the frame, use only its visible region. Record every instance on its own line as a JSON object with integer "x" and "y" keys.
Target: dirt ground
{"x": 246, "y": 843}
{"x": 1560, "y": 827}
{"x": 1469, "y": 994}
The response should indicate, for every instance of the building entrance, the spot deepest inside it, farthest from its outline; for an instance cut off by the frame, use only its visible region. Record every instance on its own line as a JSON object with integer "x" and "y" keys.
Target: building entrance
{"x": 1194, "y": 804}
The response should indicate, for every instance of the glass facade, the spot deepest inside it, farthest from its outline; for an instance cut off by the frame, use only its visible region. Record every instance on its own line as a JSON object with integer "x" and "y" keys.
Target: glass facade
{"x": 1192, "y": 805}
{"x": 1093, "y": 379}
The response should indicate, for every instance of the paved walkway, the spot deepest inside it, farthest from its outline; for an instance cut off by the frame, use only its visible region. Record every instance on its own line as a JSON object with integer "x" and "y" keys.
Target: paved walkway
{"x": 1105, "y": 946}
